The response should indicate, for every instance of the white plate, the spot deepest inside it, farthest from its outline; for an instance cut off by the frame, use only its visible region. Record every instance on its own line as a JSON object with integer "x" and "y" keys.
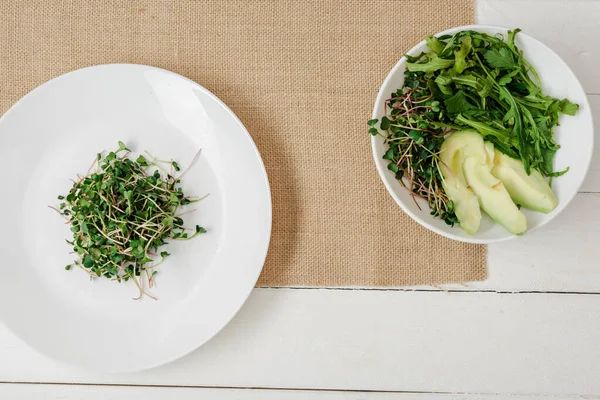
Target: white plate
{"x": 575, "y": 136}
{"x": 51, "y": 135}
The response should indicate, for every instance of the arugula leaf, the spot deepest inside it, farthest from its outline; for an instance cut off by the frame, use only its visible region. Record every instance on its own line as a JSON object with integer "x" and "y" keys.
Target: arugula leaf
{"x": 435, "y": 90}
{"x": 485, "y": 129}
{"x": 414, "y": 59}
{"x": 511, "y": 40}
{"x": 458, "y": 103}
{"x": 566, "y": 107}
{"x": 434, "y": 44}
{"x": 500, "y": 58}
{"x": 518, "y": 88}
{"x": 507, "y": 78}
{"x": 559, "y": 173}
{"x": 433, "y": 64}
{"x": 449, "y": 48}
{"x": 482, "y": 85}
{"x": 547, "y": 166}
{"x": 517, "y": 130}
{"x": 460, "y": 62}
{"x": 443, "y": 83}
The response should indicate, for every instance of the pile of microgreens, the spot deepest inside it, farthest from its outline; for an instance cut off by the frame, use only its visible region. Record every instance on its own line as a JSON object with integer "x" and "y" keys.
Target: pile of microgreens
{"x": 122, "y": 213}
{"x": 413, "y": 143}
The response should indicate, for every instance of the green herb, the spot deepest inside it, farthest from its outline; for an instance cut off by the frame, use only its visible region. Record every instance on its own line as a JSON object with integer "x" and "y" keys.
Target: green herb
{"x": 122, "y": 213}
{"x": 501, "y": 58}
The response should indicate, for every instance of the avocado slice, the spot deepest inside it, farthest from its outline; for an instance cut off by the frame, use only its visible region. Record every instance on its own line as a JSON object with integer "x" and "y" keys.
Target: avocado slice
{"x": 453, "y": 151}
{"x": 530, "y": 191}
{"x": 493, "y": 196}
{"x": 489, "y": 151}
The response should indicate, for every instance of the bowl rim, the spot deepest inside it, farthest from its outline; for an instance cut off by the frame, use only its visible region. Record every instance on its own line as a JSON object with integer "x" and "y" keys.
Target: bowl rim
{"x": 423, "y": 221}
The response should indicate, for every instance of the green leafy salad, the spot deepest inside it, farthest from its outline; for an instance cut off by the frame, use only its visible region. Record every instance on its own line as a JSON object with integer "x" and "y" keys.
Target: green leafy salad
{"x": 123, "y": 212}
{"x": 471, "y": 129}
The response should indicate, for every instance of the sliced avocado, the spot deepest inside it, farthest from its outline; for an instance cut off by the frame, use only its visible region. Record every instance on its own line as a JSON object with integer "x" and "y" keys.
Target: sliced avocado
{"x": 466, "y": 206}
{"x": 453, "y": 151}
{"x": 493, "y": 197}
{"x": 460, "y": 145}
{"x": 489, "y": 151}
{"x": 530, "y": 191}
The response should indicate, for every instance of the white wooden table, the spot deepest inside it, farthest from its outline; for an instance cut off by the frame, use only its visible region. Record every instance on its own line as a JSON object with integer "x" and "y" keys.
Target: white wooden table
{"x": 531, "y": 331}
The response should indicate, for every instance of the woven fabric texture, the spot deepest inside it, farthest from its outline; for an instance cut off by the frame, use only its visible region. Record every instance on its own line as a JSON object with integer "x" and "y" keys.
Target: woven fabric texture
{"x": 302, "y": 76}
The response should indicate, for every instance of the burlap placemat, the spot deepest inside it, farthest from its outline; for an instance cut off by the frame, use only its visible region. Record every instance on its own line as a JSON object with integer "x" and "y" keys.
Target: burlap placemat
{"x": 302, "y": 76}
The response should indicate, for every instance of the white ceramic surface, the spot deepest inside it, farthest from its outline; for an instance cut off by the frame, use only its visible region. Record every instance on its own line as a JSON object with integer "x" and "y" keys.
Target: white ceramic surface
{"x": 51, "y": 135}
{"x": 575, "y": 136}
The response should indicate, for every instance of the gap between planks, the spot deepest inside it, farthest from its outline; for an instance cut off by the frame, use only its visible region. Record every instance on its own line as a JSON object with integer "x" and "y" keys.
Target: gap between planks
{"x": 229, "y": 387}
{"x": 294, "y": 389}
{"x": 431, "y": 290}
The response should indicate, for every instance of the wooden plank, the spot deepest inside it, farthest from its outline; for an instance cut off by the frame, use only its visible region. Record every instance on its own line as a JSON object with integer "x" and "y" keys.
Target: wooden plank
{"x": 377, "y": 340}
{"x": 568, "y": 27}
{"x": 77, "y": 392}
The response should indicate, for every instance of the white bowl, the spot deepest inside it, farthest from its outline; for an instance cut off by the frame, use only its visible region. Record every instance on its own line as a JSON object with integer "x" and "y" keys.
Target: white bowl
{"x": 575, "y": 136}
